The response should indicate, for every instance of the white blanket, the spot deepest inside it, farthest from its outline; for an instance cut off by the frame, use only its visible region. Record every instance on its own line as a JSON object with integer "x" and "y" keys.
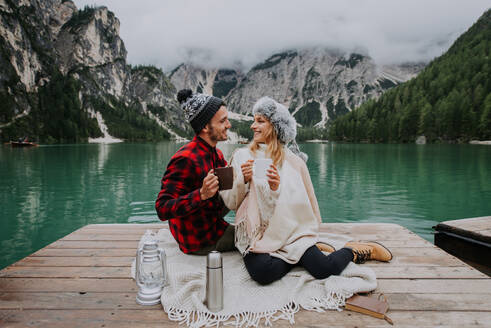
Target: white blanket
{"x": 246, "y": 302}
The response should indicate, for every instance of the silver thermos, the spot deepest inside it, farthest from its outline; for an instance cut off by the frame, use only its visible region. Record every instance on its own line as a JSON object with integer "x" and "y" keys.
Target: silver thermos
{"x": 214, "y": 281}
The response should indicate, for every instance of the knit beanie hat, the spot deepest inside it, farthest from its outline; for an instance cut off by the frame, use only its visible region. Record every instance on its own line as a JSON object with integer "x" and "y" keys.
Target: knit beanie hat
{"x": 282, "y": 121}
{"x": 198, "y": 108}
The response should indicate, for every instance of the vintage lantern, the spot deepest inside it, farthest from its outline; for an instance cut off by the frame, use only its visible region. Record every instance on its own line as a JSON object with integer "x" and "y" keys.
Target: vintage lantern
{"x": 150, "y": 272}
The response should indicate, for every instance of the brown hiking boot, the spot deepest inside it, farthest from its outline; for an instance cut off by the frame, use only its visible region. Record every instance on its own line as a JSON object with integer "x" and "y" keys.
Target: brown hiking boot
{"x": 365, "y": 251}
{"x": 325, "y": 247}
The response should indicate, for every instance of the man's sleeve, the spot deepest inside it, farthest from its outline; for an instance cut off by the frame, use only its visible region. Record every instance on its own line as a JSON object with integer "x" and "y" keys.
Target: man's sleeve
{"x": 174, "y": 199}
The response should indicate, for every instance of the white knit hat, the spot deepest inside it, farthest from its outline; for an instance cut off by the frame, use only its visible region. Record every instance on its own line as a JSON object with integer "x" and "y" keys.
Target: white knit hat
{"x": 282, "y": 121}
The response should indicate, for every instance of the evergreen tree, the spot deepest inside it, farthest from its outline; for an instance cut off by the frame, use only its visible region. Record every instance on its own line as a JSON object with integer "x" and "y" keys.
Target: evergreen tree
{"x": 485, "y": 121}
{"x": 448, "y": 100}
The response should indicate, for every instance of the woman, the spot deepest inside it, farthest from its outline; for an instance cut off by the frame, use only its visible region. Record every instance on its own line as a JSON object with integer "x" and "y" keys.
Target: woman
{"x": 277, "y": 219}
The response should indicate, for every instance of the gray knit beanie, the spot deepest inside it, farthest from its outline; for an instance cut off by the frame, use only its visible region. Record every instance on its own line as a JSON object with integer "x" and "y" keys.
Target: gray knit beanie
{"x": 282, "y": 121}
{"x": 198, "y": 108}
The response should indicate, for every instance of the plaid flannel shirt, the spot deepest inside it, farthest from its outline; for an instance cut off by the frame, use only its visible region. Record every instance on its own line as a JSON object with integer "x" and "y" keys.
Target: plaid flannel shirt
{"x": 193, "y": 222}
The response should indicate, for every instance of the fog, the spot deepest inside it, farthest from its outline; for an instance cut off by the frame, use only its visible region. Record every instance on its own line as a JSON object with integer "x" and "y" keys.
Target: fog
{"x": 225, "y": 33}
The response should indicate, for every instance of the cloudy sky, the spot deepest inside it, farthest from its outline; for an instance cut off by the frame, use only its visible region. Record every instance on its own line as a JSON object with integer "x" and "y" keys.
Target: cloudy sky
{"x": 228, "y": 32}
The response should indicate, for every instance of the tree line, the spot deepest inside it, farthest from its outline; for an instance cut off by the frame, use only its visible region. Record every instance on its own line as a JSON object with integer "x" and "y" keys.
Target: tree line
{"x": 450, "y": 100}
{"x": 58, "y": 116}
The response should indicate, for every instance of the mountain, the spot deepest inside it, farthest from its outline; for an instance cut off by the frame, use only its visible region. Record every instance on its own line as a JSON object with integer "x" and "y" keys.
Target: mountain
{"x": 64, "y": 78}
{"x": 217, "y": 82}
{"x": 449, "y": 101}
{"x": 317, "y": 85}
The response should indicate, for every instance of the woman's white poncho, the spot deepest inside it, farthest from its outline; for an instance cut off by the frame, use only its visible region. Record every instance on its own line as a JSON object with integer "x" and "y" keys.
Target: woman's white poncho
{"x": 283, "y": 223}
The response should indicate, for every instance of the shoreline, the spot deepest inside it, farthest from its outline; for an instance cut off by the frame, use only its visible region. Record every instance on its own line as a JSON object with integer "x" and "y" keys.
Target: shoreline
{"x": 480, "y": 142}
{"x": 104, "y": 140}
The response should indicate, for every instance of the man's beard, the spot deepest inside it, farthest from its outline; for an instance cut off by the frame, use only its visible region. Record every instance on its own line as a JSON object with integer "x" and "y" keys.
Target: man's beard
{"x": 214, "y": 135}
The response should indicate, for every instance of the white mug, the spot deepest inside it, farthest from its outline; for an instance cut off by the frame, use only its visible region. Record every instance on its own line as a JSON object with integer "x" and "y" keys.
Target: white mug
{"x": 260, "y": 167}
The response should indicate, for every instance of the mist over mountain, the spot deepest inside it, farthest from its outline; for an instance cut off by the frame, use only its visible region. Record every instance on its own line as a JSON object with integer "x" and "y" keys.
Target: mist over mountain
{"x": 316, "y": 84}
{"x": 241, "y": 34}
{"x": 449, "y": 101}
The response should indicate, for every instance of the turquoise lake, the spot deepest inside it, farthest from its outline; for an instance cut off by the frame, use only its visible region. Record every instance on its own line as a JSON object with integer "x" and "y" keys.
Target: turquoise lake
{"x": 49, "y": 191}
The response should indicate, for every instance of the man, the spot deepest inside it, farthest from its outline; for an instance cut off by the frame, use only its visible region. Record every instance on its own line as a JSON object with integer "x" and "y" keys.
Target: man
{"x": 189, "y": 197}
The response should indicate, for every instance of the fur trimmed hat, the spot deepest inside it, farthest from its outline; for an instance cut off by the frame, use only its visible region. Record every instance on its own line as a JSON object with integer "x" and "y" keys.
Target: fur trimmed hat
{"x": 282, "y": 121}
{"x": 198, "y": 108}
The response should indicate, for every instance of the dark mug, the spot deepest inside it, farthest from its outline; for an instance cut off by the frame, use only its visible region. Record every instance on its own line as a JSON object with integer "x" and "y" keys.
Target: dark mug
{"x": 225, "y": 177}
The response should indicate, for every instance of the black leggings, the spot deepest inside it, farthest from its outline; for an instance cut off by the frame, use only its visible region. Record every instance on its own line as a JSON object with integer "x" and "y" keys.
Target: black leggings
{"x": 265, "y": 268}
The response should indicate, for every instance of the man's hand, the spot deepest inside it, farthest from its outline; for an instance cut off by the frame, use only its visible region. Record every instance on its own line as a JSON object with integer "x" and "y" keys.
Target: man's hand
{"x": 273, "y": 178}
{"x": 209, "y": 187}
{"x": 247, "y": 170}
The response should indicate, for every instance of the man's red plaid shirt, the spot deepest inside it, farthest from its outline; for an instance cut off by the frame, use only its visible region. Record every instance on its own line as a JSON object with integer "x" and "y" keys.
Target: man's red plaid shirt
{"x": 193, "y": 222}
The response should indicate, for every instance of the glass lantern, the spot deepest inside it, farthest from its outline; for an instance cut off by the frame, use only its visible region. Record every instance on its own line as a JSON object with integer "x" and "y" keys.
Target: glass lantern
{"x": 150, "y": 273}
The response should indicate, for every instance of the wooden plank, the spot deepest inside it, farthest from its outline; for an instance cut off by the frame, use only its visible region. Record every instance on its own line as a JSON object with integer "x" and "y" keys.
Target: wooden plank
{"x": 382, "y": 271}
{"x": 50, "y": 285}
{"x": 470, "y": 228}
{"x": 429, "y": 272}
{"x": 126, "y": 301}
{"x": 65, "y": 272}
{"x": 417, "y": 286}
{"x": 93, "y": 244}
{"x": 434, "y": 252}
{"x": 417, "y": 243}
{"x": 100, "y": 261}
{"x": 103, "y": 237}
{"x": 482, "y": 230}
{"x": 412, "y": 319}
{"x": 433, "y": 286}
{"x": 439, "y": 302}
{"x": 427, "y": 251}
{"x": 137, "y": 236}
{"x": 95, "y": 252}
{"x": 84, "y": 318}
{"x": 112, "y": 226}
{"x": 158, "y": 318}
{"x": 138, "y": 232}
{"x": 366, "y": 231}
{"x": 122, "y": 227}
{"x": 70, "y": 300}
{"x": 84, "y": 279}
{"x": 442, "y": 260}
{"x": 125, "y": 225}
{"x": 477, "y": 226}
{"x": 354, "y": 228}
{"x": 486, "y": 232}
{"x": 482, "y": 220}
{"x": 134, "y": 244}
{"x": 363, "y": 228}
{"x": 111, "y": 261}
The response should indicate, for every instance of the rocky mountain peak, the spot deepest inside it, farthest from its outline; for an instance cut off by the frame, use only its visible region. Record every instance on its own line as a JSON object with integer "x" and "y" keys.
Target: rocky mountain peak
{"x": 60, "y": 12}
{"x": 52, "y": 51}
{"x": 218, "y": 82}
{"x": 90, "y": 38}
{"x": 317, "y": 84}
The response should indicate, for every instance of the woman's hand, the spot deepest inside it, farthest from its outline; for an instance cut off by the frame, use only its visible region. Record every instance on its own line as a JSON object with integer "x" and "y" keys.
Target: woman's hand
{"x": 247, "y": 170}
{"x": 273, "y": 178}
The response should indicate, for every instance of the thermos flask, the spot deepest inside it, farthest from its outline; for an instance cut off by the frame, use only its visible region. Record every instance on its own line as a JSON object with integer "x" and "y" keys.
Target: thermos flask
{"x": 214, "y": 281}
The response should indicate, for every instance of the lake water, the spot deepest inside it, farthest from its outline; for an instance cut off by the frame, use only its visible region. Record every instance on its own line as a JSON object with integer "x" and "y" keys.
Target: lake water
{"x": 50, "y": 191}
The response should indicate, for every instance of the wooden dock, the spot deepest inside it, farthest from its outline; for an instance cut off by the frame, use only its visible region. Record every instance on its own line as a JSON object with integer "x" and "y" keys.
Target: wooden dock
{"x": 82, "y": 280}
{"x": 467, "y": 239}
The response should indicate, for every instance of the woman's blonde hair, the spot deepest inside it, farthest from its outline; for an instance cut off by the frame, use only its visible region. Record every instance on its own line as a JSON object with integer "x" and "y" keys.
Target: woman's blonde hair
{"x": 274, "y": 147}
